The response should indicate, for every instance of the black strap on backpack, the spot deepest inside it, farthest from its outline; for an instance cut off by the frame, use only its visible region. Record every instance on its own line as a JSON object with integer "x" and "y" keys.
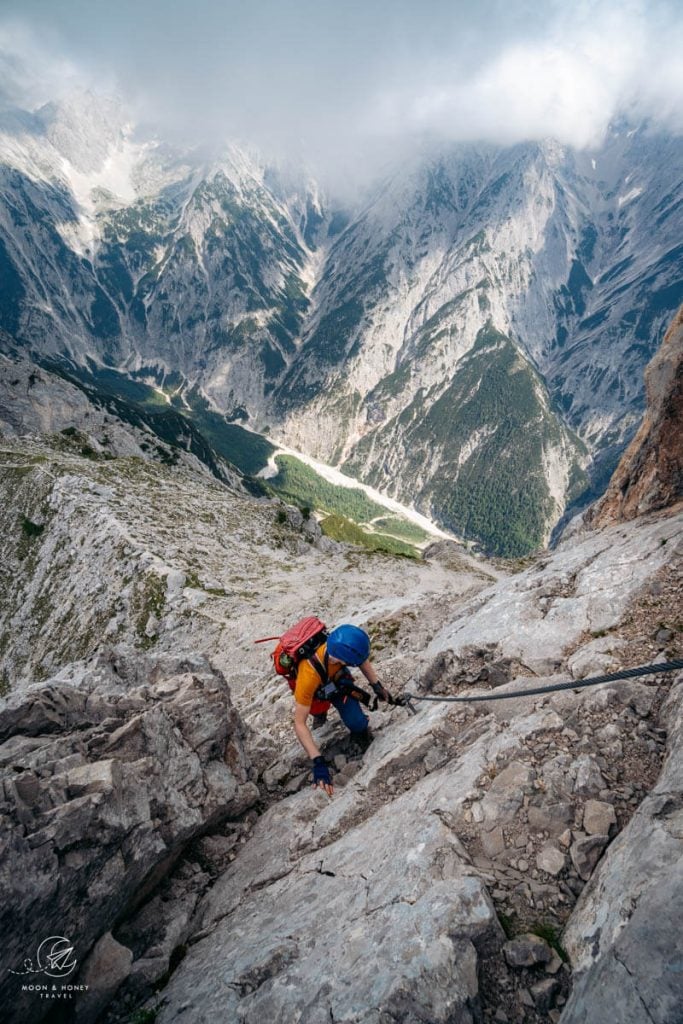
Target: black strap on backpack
{"x": 307, "y": 650}
{"x": 328, "y": 688}
{"x": 321, "y": 669}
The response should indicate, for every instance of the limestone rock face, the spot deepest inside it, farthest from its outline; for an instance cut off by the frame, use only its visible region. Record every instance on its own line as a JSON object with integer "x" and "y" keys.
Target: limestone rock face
{"x": 107, "y": 771}
{"x": 650, "y": 474}
{"x": 127, "y": 792}
{"x": 623, "y": 933}
{"x": 107, "y": 967}
{"x": 385, "y": 919}
{"x": 584, "y": 586}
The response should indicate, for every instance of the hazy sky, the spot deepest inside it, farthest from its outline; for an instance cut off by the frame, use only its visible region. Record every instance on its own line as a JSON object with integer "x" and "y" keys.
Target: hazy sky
{"x": 336, "y": 81}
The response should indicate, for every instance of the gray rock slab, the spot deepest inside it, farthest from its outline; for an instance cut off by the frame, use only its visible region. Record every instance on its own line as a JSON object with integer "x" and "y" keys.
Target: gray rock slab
{"x": 622, "y": 937}
{"x": 586, "y": 586}
{"x": 393, "y": 924}
{"x": 637, "y": 980}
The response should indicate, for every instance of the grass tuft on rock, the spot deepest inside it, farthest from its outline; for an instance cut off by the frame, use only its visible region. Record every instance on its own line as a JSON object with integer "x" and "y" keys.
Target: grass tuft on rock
{"x": 31, "y": 529}
{"x": 551, "y": 934}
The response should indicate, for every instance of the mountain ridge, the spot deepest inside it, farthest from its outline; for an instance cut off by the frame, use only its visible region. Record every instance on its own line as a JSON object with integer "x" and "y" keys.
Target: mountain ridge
{"x": 322, "y": 326}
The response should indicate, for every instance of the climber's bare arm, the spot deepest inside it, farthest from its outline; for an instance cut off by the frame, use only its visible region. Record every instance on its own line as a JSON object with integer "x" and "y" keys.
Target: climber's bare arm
{"x": 303, "y": 733}
{"x": 368, "y": 671}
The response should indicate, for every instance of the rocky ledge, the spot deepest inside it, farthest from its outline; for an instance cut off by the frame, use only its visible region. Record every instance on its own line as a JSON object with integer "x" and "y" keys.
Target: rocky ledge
{"x": 108, "y": 771}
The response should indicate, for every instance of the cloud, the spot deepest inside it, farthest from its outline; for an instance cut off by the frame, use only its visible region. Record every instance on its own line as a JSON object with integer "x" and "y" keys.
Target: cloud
{"x": 32, "y": 73}
{"x": 568, "y": 84}
{"x": 345, "y": 86}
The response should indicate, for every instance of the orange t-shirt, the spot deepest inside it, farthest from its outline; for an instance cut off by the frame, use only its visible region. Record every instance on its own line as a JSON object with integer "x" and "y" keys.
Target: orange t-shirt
{"x": 308, "y": 680}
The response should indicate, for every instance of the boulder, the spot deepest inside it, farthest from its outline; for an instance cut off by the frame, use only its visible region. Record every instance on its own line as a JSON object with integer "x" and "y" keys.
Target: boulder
{"x": 107, "y": 966}
{"x": 589, "y": 779}
{"x": 551, "y": 817}
{"x": 506, "y": 793}
{"x": 598, "y": 818}
{"x": 640, "y": 696}
{"x": 585, "y": 854}
{"x": 550, "y": 860}
{"x": 598, "y": 657}
{"x": 493, "y": 843}
{"x": 527, "y": 951}
{"x": 106, "y": 777}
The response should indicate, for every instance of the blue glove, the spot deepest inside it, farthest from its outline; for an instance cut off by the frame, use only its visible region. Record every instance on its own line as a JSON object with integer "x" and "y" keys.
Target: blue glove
{"x": 321, "y": 773}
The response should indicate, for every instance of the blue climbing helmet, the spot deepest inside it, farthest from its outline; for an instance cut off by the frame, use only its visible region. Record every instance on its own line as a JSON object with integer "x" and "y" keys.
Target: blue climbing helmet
{"x": 349, "y": 644}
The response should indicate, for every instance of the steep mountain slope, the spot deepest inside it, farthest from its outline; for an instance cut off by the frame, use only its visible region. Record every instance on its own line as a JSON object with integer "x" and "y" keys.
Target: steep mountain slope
{"x": 34, "y": 400}
{"x": 146, "y": 255}
{"x": 100, "y": 548}
{"x": 520, "y": 857}
{"x": 488, "y": 457}
{"x": 650, "y": 473}
{"x": 549, "y": 243}
{"x": 356, "y": 336}
{"x": 197, "y": 871}
{"x": 554, "y": 249}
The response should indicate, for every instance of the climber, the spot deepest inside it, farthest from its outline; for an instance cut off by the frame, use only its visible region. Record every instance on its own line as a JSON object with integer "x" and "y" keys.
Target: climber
{"x": 326, "y": 676}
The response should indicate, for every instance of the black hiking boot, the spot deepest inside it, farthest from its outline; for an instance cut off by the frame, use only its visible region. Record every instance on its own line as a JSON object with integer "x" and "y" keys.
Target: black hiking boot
{"x": 319, "y": 720}
{"x": 362, "y": 740}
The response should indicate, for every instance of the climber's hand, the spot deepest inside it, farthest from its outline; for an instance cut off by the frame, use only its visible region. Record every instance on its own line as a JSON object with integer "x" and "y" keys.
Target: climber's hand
{"x": 321, "y": 775}
{"x": 381, "y": 692}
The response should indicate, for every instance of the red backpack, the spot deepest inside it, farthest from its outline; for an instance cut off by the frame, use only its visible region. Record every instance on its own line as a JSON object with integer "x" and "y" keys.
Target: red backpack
{"x": 298, "y": 644}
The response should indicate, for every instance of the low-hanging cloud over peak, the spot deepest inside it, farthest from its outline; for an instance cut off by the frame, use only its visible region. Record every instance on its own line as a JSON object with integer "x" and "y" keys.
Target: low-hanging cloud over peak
{"x": 338, "y": 85}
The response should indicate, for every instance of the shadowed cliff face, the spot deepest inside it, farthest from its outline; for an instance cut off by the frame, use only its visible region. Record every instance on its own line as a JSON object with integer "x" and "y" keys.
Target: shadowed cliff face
{"x": 650, "y": 474}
